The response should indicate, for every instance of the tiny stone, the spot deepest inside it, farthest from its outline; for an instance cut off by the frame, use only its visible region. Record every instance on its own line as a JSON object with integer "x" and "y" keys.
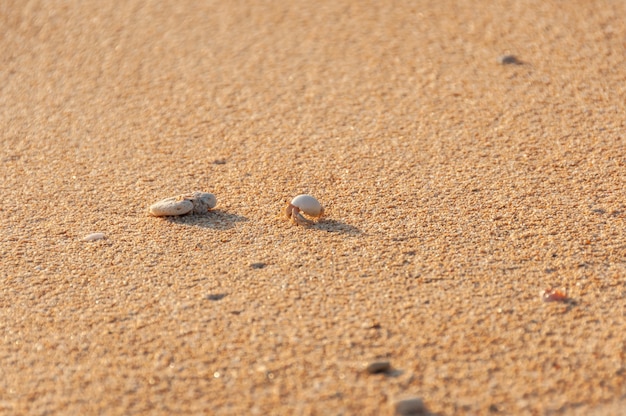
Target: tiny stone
{"x": 258, "y": 265}
{"x": 370, "y": 325}
{"x": 378, "y": 367}
{"x": 410, "y": 407}
{"x": 508, "y": 60}
{"x": 93, "y": 237}
{"x": 216, "y": 296}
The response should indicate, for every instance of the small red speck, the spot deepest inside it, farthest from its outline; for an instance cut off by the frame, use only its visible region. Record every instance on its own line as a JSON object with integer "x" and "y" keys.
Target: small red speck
{"x": 553, "y": 295}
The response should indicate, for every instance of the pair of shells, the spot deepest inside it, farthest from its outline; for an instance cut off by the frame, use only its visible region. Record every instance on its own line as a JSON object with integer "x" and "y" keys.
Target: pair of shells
{"x": 193, "y": 203}
{"x": 201, "y": 202}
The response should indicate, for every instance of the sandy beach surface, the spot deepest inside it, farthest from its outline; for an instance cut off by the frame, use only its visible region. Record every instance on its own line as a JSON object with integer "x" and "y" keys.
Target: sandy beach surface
{"x": 458, "y": 187}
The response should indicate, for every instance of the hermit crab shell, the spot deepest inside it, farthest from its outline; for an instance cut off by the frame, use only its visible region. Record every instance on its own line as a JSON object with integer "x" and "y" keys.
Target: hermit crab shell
{"x": 195, "y": 203}
{"x": 308, "y": 204}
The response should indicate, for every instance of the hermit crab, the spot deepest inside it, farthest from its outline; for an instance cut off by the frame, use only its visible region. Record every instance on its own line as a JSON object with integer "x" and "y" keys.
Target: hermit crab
{"x": 304, "y": 204}
{"x": 194, "y": 203}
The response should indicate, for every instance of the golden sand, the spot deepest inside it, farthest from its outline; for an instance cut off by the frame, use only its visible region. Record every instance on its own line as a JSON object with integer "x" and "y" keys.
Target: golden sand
{"x": 458, "y": 187}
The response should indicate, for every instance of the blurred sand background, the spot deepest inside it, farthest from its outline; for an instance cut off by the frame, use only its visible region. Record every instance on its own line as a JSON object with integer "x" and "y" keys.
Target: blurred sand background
{"x": 456, "y": 190}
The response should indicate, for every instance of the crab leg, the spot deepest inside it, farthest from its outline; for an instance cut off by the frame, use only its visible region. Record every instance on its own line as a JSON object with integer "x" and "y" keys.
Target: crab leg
{"x": 298, "y": 218}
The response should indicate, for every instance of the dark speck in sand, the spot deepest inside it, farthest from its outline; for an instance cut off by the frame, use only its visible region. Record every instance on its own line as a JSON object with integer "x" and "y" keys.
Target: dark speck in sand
{"x": 216, "y": 296}
{"x": 509, "y": 60}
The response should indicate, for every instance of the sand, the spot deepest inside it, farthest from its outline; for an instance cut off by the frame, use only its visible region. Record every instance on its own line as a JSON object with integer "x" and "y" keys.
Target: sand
{"x": 457, "y": 189}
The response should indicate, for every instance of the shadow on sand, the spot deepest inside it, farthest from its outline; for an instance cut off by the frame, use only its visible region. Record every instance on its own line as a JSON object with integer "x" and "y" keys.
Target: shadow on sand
{"x": 333, "y": 226}
{"x": 216, "y": 219}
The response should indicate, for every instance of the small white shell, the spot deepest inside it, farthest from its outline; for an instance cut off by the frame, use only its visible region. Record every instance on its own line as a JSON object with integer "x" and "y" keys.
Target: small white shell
{"x": 93, "y": 237}
{"x": 308, "y": 204}
{"x": 195, "y": 203}
{"x": 171, "y": 206}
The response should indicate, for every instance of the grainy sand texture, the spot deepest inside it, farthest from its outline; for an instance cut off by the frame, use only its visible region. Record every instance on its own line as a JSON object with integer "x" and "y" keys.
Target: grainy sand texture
{"x": 458, "y": 185}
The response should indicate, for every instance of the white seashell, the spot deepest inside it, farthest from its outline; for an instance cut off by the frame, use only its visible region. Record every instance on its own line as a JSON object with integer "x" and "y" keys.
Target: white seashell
{"x": 308, "y": 204}
{"x": 171, "y": 206}
{"x": 93, "y": 237}
{"x": 195, "y": 203}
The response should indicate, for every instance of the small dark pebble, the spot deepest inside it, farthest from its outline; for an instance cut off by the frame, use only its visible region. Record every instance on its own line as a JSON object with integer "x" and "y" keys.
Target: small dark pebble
{"x": 219, "y": 162}
{"x": 509, "y": 60}
{"x": 378, "y": 367}
{"x": 258, "y": 265}
{"x": 216, "y": 296}
{"x": 410, "y": 407}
